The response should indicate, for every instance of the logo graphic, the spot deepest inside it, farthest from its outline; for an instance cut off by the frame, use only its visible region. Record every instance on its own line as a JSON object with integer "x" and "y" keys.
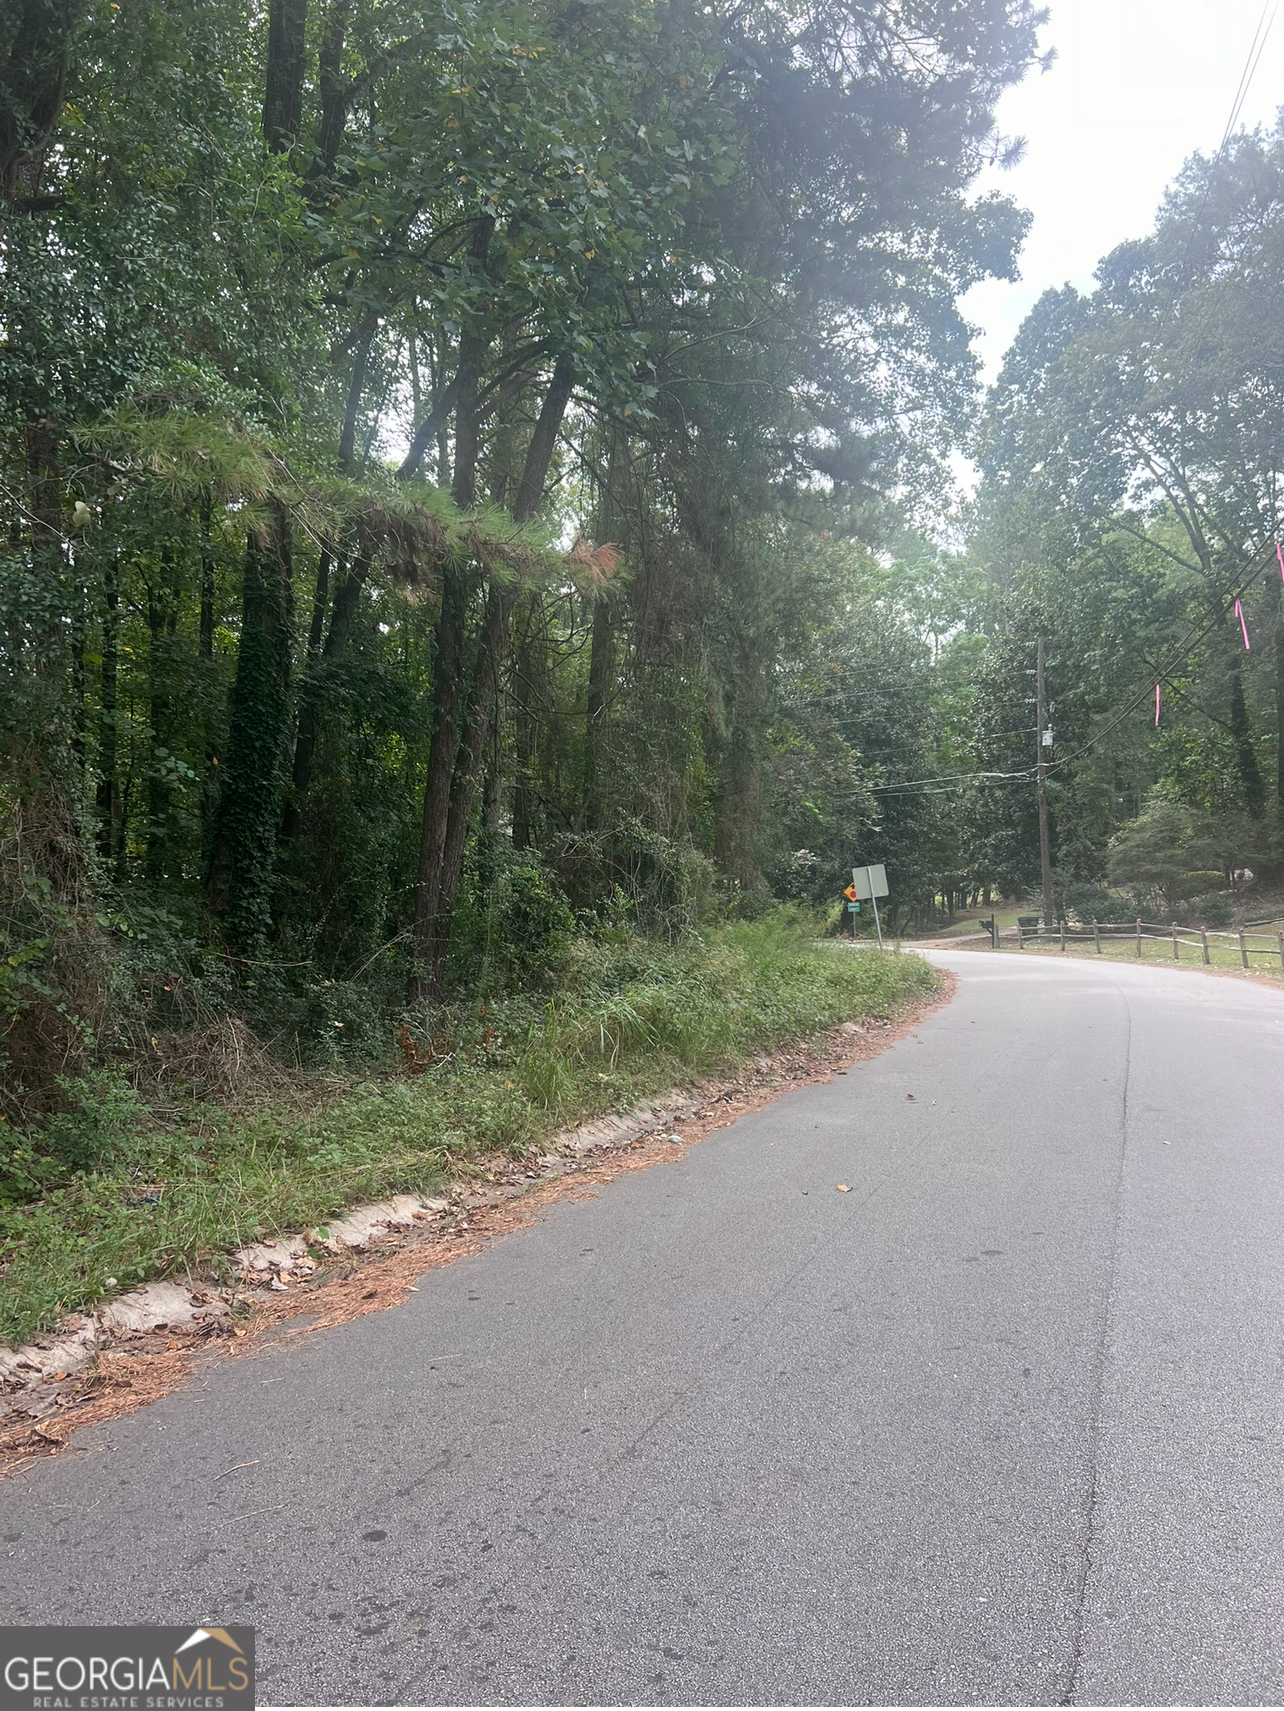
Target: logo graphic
{"x": 200, "y": 1634}
{"x": 127, "y": 1669}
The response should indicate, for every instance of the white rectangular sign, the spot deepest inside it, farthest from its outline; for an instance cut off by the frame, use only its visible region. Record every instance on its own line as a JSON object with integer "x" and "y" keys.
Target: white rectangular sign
{"x": 870, "y": 881}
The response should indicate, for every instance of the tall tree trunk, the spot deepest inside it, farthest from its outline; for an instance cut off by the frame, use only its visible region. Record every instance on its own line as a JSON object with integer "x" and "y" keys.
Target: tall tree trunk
{"x": 33, "y": 82}
{"x": 249, "y": 805}
{"x": 525, "y": 742}
{"x": 320, "y": 600}
{"x": 356, "y": 391}
{"x": 205, "y": 653}
{"x": 539, "y": 454}
{"x": 600, "y": 648}
{"x": 347, "y": 602}
{"x": 43, "y": 746}
{"x": 493, "y": 786}
{"x": 332, "y": 87}
{"x": 738, "y": 809}
{"x": 283, "y": 85}
{"x": 447, "y": 673}
{"x": 1250, "y": 773}
{"x": 77, "y": 646}
{"x": 477, "y": 725}
{"x": 107, "y": 795}
{"x": 44, "y": 647}
{"x": 473, "y": 345}
{"x": 159, "y": 625}
{"x": 345, "y": 607}
{"x": 433, "y": 425}
{"x": 427, "y": 952}
{"x": 448, "y": 796}
{"x": 600, "y": 653}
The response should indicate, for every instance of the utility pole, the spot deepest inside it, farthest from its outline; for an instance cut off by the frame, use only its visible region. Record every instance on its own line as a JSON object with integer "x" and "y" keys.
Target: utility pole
{"x": 1045, "y": 857}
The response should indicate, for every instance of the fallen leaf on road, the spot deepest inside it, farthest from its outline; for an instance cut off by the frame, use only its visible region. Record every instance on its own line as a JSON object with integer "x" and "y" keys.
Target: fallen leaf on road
{"x": 843, "y": 1188}
{"x": 911, "y": 1098}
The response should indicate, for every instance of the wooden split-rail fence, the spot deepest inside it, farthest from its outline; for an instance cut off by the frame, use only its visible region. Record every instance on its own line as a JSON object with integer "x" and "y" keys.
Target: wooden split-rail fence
{"x": 1201, "y": 941}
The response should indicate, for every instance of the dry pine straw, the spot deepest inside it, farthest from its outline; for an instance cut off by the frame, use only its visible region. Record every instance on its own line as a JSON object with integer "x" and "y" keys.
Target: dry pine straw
{"x": 158, "y": 1363}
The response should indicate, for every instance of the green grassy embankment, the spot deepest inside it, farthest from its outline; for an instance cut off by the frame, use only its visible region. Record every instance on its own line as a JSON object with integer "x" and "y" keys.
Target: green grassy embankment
{"x": 630, "y": 1020}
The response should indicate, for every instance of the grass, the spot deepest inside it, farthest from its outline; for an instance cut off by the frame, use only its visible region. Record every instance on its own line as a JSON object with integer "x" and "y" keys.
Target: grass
{"x": 1221, "y": 956}
{"x": 629, "y": 1021}
{"x": 968, "y": 921}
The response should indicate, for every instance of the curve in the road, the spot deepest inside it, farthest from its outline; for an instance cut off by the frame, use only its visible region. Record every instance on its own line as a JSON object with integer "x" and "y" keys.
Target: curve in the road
{"x": 1000, "y": 1424}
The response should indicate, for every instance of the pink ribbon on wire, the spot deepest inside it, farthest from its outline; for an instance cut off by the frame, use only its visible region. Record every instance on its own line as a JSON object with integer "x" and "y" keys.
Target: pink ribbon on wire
{"x": 1280, "y": 556}
{"x": 1156, "y": 706}
{"x": 1243, "y": 627}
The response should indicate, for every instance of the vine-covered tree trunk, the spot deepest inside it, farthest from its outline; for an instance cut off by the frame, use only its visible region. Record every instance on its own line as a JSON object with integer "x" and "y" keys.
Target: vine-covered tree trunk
{"x": 1250, "y": 773}
{"x": 447, "y": 673}
{"x": 286, "y": 63}
{"x": 477, "y": 727}
{"x": 41, "y": 739}
{"x": 452, "y": 770}
{"x": 738, "y": 810}
{"x": 609, "y": 514}
{"x": 333, "y": 87}
{"x": 205, "y": 654}
{"x": 524, "y": 740}
{"x": 162, "y": 620}
{"x": 107, "y": 793}
{"x": 311, "y": 691}
{"x": 33, "y": 81}
{"x": 249, "y": 806}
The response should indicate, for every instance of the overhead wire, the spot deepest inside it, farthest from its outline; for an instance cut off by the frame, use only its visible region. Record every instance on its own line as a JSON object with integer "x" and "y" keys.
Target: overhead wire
{"x": 1183, "y": 651}
{"x": 949, "y": 782}
{"x": 1256, "y": 48}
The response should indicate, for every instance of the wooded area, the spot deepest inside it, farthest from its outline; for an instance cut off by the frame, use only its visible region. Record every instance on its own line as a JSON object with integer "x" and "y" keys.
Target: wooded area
{"x": 439, "y": 452}
{"x": 479, "y": 476}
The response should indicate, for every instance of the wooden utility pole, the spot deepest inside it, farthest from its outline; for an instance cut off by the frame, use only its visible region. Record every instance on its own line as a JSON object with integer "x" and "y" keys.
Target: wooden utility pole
{"x": 1045, "y": 856}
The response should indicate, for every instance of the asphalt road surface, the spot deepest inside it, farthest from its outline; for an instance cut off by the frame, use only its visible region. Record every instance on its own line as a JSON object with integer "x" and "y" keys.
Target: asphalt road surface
{"x": 1004, "y": 1423}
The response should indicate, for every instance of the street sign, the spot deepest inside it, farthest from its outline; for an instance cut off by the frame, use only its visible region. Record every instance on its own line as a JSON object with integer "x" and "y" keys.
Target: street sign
{"x": 853, "y": 908}
{"x": 850, "y": 894}
{"x": 870, "y": 881}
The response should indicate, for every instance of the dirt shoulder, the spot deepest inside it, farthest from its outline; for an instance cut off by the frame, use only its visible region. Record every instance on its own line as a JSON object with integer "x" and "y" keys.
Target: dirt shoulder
{"x": 501, "y": 1196}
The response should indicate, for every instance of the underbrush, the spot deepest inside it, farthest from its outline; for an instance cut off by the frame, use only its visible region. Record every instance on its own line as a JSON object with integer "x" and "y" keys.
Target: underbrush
{"x": 144, "y": 1192}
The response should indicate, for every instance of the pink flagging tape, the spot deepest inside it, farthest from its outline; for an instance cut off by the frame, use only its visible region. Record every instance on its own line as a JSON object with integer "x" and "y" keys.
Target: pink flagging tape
{"x": 1280, "y": 556}
{"x": 1156, "y": 706}
{"x": 1243, "y": 627}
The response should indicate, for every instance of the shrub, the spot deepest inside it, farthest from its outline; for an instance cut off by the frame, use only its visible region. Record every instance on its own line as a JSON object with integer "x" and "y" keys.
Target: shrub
{"x": 1214, "y": 909}
{"x": 512, "y": 930}
{"x": 630, "y": 1018}
{"x": 1089, "y": 903}
{"x": 96, "y": 1129}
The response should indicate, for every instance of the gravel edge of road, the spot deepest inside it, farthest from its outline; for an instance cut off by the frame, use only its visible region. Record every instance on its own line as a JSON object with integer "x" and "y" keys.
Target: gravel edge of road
{"x": 153, "y": 1365}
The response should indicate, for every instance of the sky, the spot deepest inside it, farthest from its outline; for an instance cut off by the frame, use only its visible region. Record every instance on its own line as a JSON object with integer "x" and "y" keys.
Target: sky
{"x": 1137, "y": 87}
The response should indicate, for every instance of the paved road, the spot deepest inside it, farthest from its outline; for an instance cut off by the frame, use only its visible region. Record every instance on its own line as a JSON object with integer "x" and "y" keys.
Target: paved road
{"x": 1005, "y": 1423}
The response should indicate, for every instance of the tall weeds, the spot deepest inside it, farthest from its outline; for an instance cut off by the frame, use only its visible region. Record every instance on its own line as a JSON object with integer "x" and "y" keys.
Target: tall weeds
{"x": 630, "y": 1020}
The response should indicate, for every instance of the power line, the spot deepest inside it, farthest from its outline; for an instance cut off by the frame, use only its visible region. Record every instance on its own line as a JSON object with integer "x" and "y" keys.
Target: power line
{"x": 1252, "y": 60}
{"x": 1256, "y": 48}
{"x": 947, "y": 782}
{"x": 1184, "y": 651}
